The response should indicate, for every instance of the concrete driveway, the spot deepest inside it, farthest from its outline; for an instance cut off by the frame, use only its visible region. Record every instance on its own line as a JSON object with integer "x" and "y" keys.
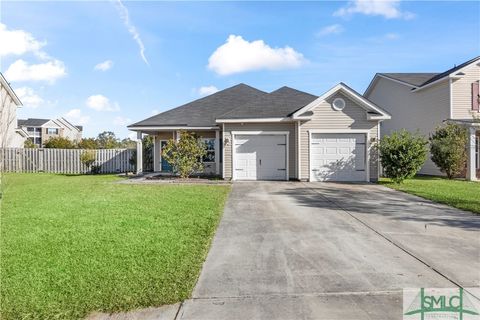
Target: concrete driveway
{"x": 330, "y": 251}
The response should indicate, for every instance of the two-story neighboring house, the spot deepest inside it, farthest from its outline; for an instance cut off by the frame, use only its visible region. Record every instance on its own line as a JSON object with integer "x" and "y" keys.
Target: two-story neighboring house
{"x": 41, "y": 130}
{"x": 10, "y": 135}
{"x": 423, "y": 101}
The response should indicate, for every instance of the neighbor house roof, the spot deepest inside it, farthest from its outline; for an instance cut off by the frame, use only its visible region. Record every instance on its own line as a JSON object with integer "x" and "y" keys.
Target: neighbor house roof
{"x": 419, "y": 80}
{"x": 32, "y": 122}
{"x": 415, "y": 79}
{"x": 203, "y": 112}
{"x": 80, "y": 128}
{"x": 277, "y": 104}
{"x": 449, "y": 71}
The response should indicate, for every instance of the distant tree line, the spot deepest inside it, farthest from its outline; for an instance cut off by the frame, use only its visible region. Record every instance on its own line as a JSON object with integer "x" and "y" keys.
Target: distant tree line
{"x": 105, "y": 140}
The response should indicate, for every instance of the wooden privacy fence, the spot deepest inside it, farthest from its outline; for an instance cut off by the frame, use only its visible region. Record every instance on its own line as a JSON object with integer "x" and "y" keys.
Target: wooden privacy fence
{"x": 63, "y": 160}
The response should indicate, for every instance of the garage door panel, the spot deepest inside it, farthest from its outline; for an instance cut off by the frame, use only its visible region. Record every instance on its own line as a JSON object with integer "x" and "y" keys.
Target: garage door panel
{"x": 265, "y": 155}
{"x": 338, "y": 157}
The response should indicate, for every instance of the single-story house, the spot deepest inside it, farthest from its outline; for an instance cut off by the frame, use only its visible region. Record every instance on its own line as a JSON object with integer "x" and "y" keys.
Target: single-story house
{"x": 420, "y": 102}
{"x": 286, "y": 134}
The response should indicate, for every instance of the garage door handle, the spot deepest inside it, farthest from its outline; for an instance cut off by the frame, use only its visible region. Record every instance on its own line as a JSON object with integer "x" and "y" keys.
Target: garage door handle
{"x": 260, "y": 161}
{"x": 238, "y": 169}
{"x": 315, "y": 170}
{"x": 282, "y": 169}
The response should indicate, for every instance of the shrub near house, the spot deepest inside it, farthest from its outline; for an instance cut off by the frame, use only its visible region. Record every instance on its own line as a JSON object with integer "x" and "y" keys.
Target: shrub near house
{"x": 402, "y": 154}
{"x": 448, "y": 149}
{"x": 185, "y": 154}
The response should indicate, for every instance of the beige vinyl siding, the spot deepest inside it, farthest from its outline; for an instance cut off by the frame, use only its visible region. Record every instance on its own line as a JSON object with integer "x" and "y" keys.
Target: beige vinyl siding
{"x": 326, "y": 118}
{"x": 462, "y": 93}
{"x": 420, "y": 111}
{"x": 287, "y": 126}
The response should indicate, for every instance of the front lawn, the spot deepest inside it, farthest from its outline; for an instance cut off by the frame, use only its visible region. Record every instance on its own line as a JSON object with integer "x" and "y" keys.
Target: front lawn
{"x": 74, "y": 244}
{"x": 456, "y": 193}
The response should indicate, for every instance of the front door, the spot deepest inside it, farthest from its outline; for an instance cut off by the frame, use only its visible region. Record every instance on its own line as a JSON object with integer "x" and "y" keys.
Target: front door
{"x": 165, "y": 165}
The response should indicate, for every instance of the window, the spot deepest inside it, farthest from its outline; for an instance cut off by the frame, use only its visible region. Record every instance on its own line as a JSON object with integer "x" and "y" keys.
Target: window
{"x": 338, "y": 104}
{"x": 210, "y": 146}
{"x": 52, "y": 131}
{"x": 38, "y": 141}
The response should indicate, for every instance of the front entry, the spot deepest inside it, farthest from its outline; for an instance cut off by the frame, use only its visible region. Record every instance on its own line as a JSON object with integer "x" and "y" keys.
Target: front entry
{"x": 165, "y": 165}
{"x": 260, "y": 157}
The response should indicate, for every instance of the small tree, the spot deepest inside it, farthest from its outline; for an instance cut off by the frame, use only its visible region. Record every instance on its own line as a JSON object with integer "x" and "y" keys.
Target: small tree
{"x": 87, "y": 143}
{"x": 29, "y": 144}
{"x": 185, "y": 155}
{"x": 448, "y": 148}
{"x": 59, "y": 143}
{"x": 402, "y": 154}
{"x": 88, "y": 158}
{"x": 107, "y": 140}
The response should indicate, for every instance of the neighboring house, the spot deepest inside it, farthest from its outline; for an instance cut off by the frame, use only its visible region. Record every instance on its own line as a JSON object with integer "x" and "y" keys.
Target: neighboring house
{"x": 423, "y": 101}
{"x": 281, "y": 135}
{"x": 41, "y": 130}
{"x": 10, "y": 135}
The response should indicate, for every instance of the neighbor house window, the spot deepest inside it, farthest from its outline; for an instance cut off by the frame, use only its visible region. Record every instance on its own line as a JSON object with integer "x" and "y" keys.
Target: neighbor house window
{"x": 210, "y": 146}
{"x": 52, "y": 131}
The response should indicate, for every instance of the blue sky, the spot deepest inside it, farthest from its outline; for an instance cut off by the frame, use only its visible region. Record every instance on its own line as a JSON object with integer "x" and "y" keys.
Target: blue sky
{"x": 49, "y": 50}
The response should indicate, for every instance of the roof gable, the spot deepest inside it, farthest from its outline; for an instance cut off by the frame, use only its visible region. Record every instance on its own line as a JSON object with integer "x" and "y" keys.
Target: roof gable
{"x": 10, "y": 91}
{"x": 32, "y": 122}
{"x": 374, "y": 111}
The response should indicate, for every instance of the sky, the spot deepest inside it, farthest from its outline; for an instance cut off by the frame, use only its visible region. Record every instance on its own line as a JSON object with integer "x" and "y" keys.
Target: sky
{"x": 108, "y": 64}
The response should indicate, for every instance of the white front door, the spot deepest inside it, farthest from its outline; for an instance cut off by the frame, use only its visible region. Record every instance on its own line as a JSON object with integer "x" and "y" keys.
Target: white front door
{"x": 338, "y": 157}
{"x": 260, "y": 157}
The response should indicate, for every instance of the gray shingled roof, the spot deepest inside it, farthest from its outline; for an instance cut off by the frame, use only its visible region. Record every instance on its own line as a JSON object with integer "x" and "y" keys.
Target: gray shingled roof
{"x": 279, "y": 103}
{"x": 32, "y": 122}
{"x": 449, "y": 71}
{"x": 415, "y": 79}
{"x": 79, "y": 128}
{"x": 204, "y": 111}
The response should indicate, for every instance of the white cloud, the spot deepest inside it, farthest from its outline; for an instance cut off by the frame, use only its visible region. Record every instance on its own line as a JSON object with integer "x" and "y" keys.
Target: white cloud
{"x": 99, "y": 102}
{"x": 238, "y": 55}
{"x": 121, "y": 121}
{"x": 392, "y": 36}
{"x": 49, "y": 71}
{"x": 132, "y": 135}
{"x": 124, "y": 15}
{"x": 386, "y": 8}
{"x": 18, "y": 42}
{"x": 207, "y": 90}
{"x": 332, "y": 29}
{"x": 28, "y": 97}
{"x": 155, "y": 112}
{"x": 77, "y": 117}
{"x": 104, "y": 66}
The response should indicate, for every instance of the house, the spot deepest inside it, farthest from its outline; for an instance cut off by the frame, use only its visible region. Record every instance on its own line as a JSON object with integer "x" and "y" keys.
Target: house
{"x": 10, "y": 135}
{"x": 423, "y": 101}
{"x": 282, "y": 135}
{"x": 40, "y": 130}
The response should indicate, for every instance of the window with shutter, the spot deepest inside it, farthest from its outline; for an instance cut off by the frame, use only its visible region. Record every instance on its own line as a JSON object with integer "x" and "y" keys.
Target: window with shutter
{"x": 475, "y": 96}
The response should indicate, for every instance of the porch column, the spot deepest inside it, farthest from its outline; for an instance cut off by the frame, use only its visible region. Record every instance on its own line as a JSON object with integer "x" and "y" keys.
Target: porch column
{"x": 217, "y": 152}
{"x": 471, "y": 168}
{"x": 139, "y": 153}
{"x": 156, "y": 154}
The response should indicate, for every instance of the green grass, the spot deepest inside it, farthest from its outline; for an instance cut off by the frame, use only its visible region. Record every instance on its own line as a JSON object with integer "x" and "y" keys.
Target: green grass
{"x": 74, "y": 244}
{"x": 460, "y": 194}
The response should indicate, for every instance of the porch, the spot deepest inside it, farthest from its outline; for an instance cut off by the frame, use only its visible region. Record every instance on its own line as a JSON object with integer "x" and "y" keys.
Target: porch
{"x": 212, "y": 160}
{"x": 473, "y": 148}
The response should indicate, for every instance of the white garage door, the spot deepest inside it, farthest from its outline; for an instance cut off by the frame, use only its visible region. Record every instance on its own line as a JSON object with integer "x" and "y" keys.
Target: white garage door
{"x": 338, "y": 157}
{"x": 260, "y": 157}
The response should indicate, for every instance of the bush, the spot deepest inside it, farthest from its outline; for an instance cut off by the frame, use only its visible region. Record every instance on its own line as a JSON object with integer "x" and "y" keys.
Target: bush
{"x": 29, "y": 144}
{"x": 448, "y": 148}
{"x": 87, "y": 143}
{"x": 402, "y": 154}
{"x": 59, "y": 143}
{"x": 185, "y": 154}
{"x": 88, "y": 158}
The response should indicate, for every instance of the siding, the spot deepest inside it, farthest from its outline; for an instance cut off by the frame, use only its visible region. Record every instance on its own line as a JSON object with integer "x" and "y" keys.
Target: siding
{"x": 420, "y": 111}
{"x": 324, "y": 117}
{"x": 8, "y": 121}
{"x": 290, "y": 126}
{"x": 462, "y": 93}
